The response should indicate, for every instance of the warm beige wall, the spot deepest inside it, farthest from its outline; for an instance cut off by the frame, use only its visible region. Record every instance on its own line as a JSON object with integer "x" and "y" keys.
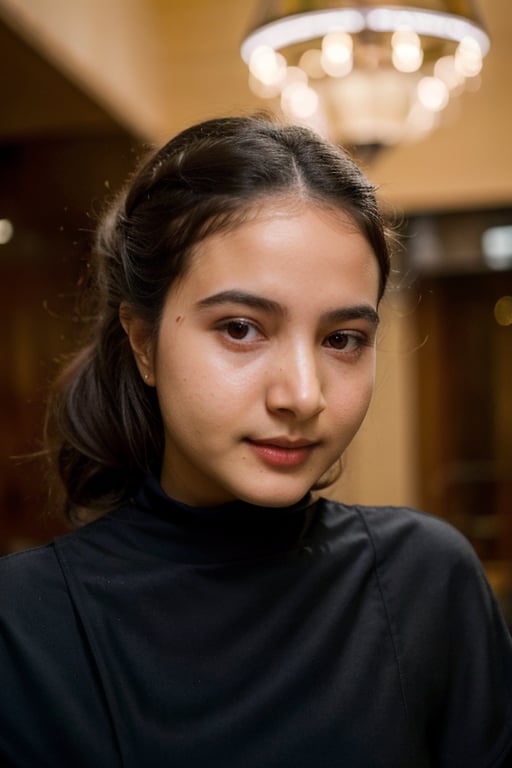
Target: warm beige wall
{"x": 157, "y": 65}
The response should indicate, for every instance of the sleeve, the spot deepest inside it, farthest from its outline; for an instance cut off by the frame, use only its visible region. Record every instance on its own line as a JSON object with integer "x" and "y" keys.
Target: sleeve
{"x": 454, "y": 646}
{"x": 477, "y": 695}
{"x": 51, "y": 707}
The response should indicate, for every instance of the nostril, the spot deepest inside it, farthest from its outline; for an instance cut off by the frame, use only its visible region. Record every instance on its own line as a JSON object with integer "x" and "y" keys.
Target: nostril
{"x": 297, "y": 393}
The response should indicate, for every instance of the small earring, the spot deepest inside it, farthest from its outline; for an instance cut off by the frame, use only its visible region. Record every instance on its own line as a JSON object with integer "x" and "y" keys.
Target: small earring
{"x": 146, "y": 376}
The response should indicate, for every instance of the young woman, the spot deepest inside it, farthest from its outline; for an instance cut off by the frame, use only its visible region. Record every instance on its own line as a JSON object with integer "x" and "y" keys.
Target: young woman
{"x": 213, "y": 610}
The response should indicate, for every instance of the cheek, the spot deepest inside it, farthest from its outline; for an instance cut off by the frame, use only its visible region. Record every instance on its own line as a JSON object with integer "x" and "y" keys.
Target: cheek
{"x": 195, "y": 404}
{"x": 365, "y": 402}
{"x": 352, "y": 399}
{"x": 367, "y": 387}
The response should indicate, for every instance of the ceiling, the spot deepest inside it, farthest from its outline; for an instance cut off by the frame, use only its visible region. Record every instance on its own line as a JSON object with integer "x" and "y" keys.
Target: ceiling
{"x": 151, "y": 67}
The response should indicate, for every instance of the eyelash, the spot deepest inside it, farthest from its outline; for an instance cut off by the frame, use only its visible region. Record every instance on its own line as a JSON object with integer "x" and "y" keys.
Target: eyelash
{"x": 241, "y": 323}
{"x": 357, "y": 340}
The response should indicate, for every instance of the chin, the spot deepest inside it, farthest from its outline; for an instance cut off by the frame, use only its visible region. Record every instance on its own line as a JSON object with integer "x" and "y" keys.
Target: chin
{"x": 276, "y": 498}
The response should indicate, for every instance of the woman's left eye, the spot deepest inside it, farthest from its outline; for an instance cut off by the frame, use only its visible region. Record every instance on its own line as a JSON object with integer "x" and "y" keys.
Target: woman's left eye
{"x": 343, "y": 341}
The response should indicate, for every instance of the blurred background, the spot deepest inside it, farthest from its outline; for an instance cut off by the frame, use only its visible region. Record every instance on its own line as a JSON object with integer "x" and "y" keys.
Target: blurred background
{"x": 87, "y": 87}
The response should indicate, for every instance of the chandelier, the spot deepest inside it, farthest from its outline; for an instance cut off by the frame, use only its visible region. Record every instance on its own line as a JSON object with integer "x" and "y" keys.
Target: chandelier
{"x": 365, "y": 74}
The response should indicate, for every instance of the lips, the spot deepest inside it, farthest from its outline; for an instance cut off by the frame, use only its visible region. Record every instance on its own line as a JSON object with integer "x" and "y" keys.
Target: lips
{"x": 281, "y": 451}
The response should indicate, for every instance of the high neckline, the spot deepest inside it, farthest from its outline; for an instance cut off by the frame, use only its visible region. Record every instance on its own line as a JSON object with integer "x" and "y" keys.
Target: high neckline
{"x": 232, "y": 531}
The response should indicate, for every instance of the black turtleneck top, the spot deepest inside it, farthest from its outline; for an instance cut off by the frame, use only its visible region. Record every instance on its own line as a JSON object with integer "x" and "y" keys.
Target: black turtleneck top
{"x": 315, "y": 636}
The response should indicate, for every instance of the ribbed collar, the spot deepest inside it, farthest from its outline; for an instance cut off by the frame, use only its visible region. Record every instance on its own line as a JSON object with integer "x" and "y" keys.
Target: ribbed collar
{"x": 231, "y": 531}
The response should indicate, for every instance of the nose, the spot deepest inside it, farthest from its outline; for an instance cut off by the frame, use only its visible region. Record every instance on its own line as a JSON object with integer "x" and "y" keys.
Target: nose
{"x": 295, "y": 383}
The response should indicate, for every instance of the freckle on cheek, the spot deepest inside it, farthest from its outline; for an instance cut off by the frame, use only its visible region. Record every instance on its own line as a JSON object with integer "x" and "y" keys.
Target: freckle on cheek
{"x": 179, "y": 319}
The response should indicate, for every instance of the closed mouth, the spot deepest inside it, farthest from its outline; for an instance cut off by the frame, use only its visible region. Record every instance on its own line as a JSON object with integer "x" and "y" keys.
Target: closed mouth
{"x": 281, "y": 452}
{"x": 283, "y": 442}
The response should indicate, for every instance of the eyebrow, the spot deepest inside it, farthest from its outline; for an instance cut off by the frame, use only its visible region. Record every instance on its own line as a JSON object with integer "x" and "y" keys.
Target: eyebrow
{"x": 341, "y": 315}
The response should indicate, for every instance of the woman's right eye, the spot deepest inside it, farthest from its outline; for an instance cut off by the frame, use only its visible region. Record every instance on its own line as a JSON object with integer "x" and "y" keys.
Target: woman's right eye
{"x": 239, "y": 330}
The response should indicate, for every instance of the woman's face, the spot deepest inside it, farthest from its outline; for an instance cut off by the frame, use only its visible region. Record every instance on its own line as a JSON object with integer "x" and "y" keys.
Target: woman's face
{"x": 264, "y": 364}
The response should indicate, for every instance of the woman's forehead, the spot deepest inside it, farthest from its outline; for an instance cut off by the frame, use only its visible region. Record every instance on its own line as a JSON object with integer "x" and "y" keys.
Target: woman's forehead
{"x": 284, "y": 248}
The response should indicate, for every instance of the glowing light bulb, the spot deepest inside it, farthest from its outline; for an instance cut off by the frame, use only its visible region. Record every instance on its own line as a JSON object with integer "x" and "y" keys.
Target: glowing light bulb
{"x": 433, "y": 94}
{"x": 497, "y": 247}
{"x": 446, "y": 71}
{"x": 267, "y": 66}
{"x": 6, "y": 231}
{"x": 337, "y": 54}
{"x": 407, "y": 53}
{"x": 299, "y": 100}
{"x": 311, "y": 63}
{"x": 468, "y": 57}
{"x": 503, "y": 311}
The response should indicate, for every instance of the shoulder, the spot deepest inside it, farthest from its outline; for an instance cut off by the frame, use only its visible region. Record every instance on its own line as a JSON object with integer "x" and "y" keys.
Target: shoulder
{"x": 31, "y": 571}
{"x": 449, "y": 634}
{"x": 419, "y": 559}
{"x": 32, "y": 588}
{"x": 37, "y": 622}
{"x": 406, "y": 535}
{"x": 47, "y": 665}
{"x": 430, "y": 579}
{"x": 398, "y": 530}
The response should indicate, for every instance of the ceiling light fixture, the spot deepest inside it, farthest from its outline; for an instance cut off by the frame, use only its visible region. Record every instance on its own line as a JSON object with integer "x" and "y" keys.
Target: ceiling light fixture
{"x": 365, "y": 74}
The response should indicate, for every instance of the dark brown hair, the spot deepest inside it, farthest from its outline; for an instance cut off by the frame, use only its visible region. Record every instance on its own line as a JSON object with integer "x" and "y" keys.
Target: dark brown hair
{"x": 104, "y": 430}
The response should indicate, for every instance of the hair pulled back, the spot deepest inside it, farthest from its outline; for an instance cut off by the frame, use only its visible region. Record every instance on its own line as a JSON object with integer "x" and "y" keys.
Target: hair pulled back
{"x": 104, "y": 430}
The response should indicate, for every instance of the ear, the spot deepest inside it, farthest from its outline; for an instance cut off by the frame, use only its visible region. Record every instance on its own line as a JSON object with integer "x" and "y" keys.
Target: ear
{"x": 141, "y": 342}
